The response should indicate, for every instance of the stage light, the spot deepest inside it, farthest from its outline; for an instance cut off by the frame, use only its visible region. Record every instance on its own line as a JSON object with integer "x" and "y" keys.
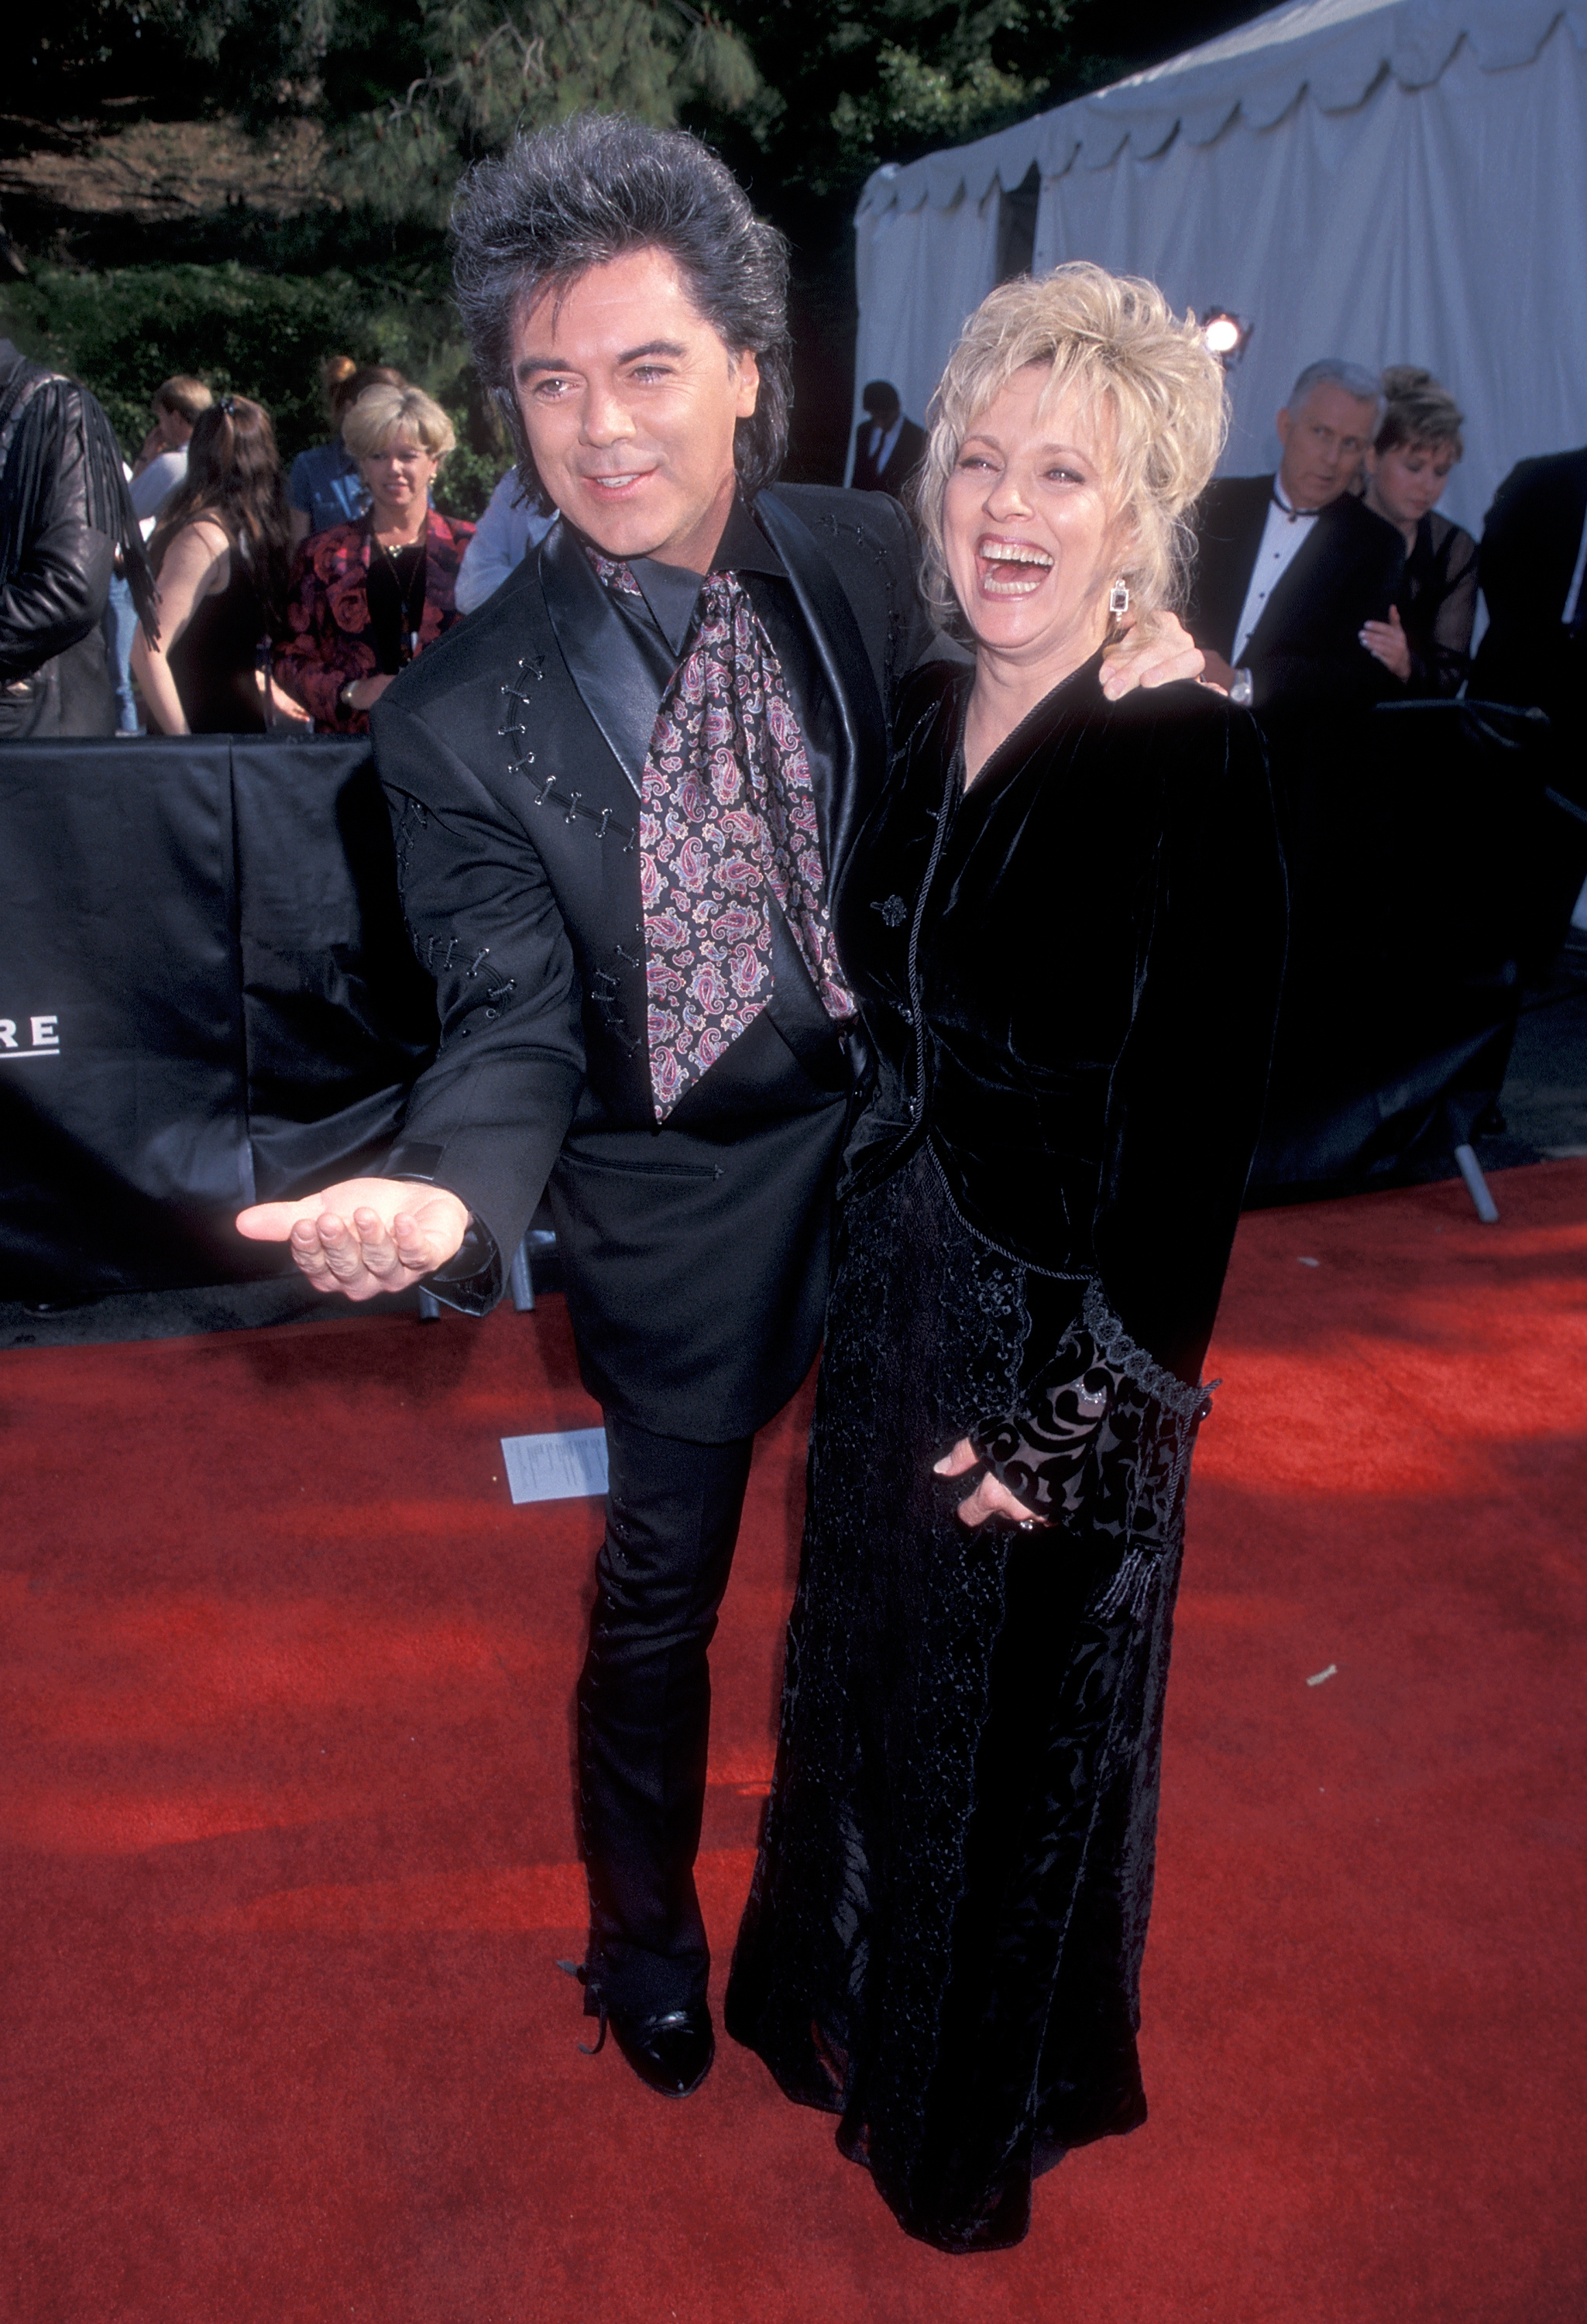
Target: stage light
{"x": 1224, "y": 335}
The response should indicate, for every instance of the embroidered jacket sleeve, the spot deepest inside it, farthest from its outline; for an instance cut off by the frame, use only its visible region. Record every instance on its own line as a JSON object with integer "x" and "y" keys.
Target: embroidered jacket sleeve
{"x": 488, "y": 1118}
{"x": 1098, "y": 1391}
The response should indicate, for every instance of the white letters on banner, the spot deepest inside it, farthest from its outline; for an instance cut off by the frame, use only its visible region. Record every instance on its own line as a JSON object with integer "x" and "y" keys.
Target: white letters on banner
{"x": 42, "y": 1031}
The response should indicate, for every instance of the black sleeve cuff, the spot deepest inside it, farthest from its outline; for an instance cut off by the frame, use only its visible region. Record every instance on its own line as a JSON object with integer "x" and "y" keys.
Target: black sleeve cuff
{"x": 472, "y": 1279}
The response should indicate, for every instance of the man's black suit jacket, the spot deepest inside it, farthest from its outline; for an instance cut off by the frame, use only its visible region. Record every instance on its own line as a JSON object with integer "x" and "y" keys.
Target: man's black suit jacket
{"x": 693, "y": 1255}
{"x": 1306, "y": 648}
{"x": 897, "y": 468}
{"x": 1531, "y": 538}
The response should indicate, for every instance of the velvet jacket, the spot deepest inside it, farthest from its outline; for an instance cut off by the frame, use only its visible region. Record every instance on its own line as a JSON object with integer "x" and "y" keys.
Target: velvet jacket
{"x": 694, "y": 1254}
{"x": 329, "y": 643}
{"x": 1070, "y": 974}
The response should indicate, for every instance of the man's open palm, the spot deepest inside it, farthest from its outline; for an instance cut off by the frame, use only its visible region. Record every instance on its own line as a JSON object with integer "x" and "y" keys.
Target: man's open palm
{"x": 365, "y": 1235}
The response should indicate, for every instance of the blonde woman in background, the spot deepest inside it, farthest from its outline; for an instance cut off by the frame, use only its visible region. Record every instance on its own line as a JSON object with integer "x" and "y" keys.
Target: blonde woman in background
{"x": 1064, "y": 921}
{"x": 325, "y": 488}
{"x": 367, "y": 597}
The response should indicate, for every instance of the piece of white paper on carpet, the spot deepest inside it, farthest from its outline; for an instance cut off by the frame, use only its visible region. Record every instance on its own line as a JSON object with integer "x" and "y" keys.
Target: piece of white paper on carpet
{"x": 560, "y": 1467}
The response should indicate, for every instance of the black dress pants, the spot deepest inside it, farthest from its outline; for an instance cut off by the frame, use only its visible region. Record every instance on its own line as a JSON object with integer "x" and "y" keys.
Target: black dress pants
{"x": 644, "y": 1711}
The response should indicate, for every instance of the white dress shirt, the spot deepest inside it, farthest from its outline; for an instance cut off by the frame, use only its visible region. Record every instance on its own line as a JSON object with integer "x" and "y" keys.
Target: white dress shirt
{"x": 1284, "y": 536}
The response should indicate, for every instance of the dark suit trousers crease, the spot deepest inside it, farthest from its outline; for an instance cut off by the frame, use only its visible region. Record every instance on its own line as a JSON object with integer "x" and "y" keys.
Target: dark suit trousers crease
{"x": 645, "y": 1711}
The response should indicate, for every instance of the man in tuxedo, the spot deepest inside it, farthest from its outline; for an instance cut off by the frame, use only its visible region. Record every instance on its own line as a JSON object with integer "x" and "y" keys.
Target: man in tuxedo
{"x": 1288, "y": 567}
{"x": 623, "y": 794}
{"x": 888, "y": 448}
{"x": 1532, "y": 566}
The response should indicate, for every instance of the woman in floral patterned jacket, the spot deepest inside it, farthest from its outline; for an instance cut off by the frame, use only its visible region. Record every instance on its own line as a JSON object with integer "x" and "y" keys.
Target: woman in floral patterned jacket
{"x": 366, "y": 597}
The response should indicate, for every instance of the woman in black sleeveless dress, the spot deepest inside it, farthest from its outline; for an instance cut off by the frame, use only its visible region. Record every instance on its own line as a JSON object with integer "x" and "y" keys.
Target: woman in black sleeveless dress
{"x": 1426, "y": 641}
{"x": 221, "y": 554}
{"x": 1065, "y": 922}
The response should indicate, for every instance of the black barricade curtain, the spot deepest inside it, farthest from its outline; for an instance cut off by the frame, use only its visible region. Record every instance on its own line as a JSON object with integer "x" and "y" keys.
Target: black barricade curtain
{"x": 1434, "y": 863}
{"x": 205, "y": 998}
{"x": 207, "y": 995}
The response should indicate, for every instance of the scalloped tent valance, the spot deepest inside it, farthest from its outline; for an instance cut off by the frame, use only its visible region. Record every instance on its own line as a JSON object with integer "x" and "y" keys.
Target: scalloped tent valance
{"x": 1387, "y": 181}
{"x": 1335, "y": 52}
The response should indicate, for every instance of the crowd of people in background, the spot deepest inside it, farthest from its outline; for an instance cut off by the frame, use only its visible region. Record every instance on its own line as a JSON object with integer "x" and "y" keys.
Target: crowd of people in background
{"x": 288, "y": 602}
{"x": 294, "y": 601}
{"x": 229, "y": 596}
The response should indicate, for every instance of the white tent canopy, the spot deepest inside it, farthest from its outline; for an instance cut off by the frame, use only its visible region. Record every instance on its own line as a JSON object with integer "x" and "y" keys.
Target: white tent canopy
{"x": 1387, "y": 181}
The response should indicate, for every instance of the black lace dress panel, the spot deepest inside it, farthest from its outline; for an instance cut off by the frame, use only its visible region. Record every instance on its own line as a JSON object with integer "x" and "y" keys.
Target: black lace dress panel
{"x": 1437, "y": 600}
{"x": 944, "y": 1937}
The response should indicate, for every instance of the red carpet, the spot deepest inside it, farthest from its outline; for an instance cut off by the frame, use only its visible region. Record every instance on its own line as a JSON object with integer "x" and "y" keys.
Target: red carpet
{"x": 288, "y": 1850}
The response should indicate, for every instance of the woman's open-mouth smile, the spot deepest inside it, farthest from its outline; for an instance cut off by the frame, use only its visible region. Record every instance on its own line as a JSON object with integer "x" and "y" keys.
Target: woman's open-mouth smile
{"x": 1010, "y": 568}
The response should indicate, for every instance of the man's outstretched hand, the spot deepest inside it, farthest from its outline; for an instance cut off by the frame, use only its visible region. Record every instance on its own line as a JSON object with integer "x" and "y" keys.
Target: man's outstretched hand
{"x": 365, "y": 1236}
{"x": 1155, "y": 649}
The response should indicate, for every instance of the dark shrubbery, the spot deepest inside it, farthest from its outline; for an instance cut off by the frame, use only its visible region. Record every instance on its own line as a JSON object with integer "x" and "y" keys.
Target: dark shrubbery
{"x": 247, "y": 332}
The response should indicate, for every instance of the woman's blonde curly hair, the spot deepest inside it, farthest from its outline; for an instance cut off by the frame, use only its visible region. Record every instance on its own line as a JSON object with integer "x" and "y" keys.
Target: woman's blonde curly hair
{"x": 1115, "y": 337}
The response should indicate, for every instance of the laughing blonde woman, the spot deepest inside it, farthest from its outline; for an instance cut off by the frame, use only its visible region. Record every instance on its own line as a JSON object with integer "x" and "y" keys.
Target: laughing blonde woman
{"x": 1065, "y": 922}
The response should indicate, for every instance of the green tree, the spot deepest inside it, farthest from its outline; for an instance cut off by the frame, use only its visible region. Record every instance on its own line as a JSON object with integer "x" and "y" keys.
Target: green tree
{"x": 802, "y": 98}
{"x": 853, "y": 83}
{"x": 490, "y": 66}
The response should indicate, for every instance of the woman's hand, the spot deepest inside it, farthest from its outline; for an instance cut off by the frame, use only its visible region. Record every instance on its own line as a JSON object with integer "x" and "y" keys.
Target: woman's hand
{"x": 1155, "y": 649}
{"x": 365, "y": 692}
{"x": 1388, "y": 642}
{"x": 990, "y": 1499}
{"x": 280, "y": 704}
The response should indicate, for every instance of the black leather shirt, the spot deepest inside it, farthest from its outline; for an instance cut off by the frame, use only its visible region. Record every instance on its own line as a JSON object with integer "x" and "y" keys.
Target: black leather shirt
{"x": 661, "y": 618}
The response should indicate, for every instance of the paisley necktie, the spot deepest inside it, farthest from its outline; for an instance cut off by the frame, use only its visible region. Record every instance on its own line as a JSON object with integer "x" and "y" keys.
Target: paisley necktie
{"x": 727, "y": 826}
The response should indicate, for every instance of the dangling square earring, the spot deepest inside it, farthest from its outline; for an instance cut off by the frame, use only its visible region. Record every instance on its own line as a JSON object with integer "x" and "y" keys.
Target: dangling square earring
{"x": 1119, "y": 599}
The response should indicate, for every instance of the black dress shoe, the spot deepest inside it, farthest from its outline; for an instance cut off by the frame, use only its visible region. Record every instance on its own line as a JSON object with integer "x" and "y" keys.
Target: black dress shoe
{"x": 672, "y": 2050}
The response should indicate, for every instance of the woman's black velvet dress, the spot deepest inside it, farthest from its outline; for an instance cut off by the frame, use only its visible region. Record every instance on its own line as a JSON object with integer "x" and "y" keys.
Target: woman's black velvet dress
{"x": 1070, "y": 974}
